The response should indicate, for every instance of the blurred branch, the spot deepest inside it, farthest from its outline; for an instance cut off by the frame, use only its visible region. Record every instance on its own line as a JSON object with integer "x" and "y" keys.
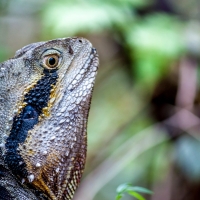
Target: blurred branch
{"x": 183, "y": 119}
{"x": 131, "y": 150}
{"x": 106, "y": 141}
{"x": 187, "y": 86}
{"x": 126, "y": 153}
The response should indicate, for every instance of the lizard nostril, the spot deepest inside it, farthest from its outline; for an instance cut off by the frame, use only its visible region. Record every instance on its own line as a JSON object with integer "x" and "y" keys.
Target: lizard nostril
{"x": 80, "y": 40}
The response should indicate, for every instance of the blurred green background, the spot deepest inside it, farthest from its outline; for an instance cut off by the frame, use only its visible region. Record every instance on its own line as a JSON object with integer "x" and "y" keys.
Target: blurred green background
{"x": 144, "y": 122}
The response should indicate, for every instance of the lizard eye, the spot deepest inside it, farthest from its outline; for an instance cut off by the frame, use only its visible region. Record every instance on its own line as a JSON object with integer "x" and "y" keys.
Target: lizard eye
{"x": 51, "y": 61}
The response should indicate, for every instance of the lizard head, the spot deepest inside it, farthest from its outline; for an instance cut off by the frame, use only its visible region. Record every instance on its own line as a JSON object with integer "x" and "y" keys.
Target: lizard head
{"x": 45, "y": 98}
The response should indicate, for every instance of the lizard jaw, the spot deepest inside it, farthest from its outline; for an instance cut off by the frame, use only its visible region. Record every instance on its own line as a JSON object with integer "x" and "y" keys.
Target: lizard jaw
{"x": 64, "y": 164}
{"x": 46, "y": 144}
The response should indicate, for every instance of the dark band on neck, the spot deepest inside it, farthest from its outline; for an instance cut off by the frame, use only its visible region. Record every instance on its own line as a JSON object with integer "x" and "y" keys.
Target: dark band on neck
{"x": 36, "y": 99}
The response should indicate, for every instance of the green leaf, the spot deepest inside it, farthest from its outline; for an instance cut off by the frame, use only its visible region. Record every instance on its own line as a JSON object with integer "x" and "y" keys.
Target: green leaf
{"x": 123, "y": 187}
{"x": 133, "y": 191}
{"x": 119, "y": 196}
{"x": 154, "y": 42}
{"x": 136, "y": 195}
{"x": 141, "y": 190}
{"x": 83, "y": 17}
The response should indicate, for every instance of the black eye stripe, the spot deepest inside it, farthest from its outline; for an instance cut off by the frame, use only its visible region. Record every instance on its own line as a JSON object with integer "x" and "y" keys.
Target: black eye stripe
{"x": 36, "y": 99}
{"x": 4, "y": 194}
{"x": 29, "y": 113}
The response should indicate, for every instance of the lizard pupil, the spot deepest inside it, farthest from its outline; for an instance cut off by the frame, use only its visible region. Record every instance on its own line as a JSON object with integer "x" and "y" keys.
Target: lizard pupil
{"x": 52, "y": 61}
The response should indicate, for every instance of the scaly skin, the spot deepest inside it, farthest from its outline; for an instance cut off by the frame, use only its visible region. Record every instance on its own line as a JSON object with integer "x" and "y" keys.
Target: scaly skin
{"x": 45, "y": 95}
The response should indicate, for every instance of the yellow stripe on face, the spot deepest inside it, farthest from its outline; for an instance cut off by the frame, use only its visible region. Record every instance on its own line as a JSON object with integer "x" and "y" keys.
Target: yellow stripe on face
{"x": 21, "y": 105}
{"x": 53, "y": 95}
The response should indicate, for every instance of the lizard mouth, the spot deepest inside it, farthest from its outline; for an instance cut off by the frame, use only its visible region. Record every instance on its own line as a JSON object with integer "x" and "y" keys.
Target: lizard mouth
{"x": 88, "y": 70}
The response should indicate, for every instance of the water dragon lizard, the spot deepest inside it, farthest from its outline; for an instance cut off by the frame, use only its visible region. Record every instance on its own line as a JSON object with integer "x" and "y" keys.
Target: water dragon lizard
{"x": 45, "y": 95}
